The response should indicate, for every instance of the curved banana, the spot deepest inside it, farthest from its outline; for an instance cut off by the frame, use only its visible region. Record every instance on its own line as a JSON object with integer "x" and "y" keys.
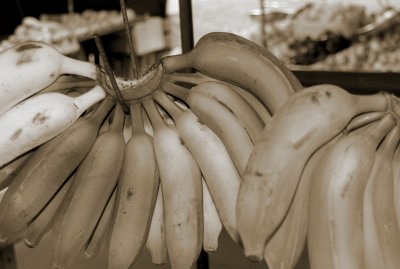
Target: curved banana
{"x": 234, "y": 101}
{"x": 335, "y": 222}
{"x": 30, "y": 67}
{"x": 236, "y": 60}
{"x": 217, "y": 167}
{"x": 43, "y": 221}
{"x": 180, "y": 179}
{"x": 9, "y": 171}
{"x": 221, "y": 120}
{"x": 94, "y": 183}
{"x": 284, "y": 248}
{"x": 304, "y": 123}
{"x": 156, "y": 242}
{"x": 102, "y": 229}
{"x": 46, "y": 170}
{"x": 136, "y": 196}
{"x": 381, "y": 231}
{"x": 212, "y": 222}
{"x": 40, "y": 118}
{"x": 199, "y": 78}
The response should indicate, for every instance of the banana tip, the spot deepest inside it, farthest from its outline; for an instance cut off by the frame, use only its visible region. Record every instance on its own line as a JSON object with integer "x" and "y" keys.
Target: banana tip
{"x": 254, "y": 257}
{"x": 3, "y": 243}
{"x": 29, "y": 244}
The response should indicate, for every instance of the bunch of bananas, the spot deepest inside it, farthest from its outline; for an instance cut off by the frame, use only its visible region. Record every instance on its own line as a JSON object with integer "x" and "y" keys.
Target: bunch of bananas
{"x": 237, "y": 144}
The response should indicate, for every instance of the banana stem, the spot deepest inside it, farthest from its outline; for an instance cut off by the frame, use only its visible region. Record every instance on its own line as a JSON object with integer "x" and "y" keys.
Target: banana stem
{"x": 89, "y": 98}
{"x": 117, "y": 124}
{"x": 175, "y": 90}
{"x": 177, "y": 62}
{"x": 163, "y": 100}
{"x": 102, "y": 110}
{"x": 373, "y": 102}
{"x": 192, "y": 78}
{"x": 136, "y": 117}
{"x": 77, "y": 67}
{"x": 154, "y": 115}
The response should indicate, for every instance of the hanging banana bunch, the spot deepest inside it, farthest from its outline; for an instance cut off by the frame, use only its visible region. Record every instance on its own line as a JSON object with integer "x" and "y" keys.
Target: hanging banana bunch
{"x": 166, "y": 160}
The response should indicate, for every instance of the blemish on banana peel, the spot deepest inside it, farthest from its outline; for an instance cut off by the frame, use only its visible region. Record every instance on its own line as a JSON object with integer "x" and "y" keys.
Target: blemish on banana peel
{"x": 24, "y": 58}
{"x": 314, "y": 99}
{"x": 328, "y": 94}
{"x": 227, "y": 107}
{"x": 16, "y": 134}
{"x": 129, "y": 194}
{"x": 28, "y": 47}
{"x": 39, "y": 118}
{"x": 258, "y": 174}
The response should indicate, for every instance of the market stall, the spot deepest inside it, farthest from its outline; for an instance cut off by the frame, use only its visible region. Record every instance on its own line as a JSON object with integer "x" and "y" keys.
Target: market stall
{"x": 274, "y": 150}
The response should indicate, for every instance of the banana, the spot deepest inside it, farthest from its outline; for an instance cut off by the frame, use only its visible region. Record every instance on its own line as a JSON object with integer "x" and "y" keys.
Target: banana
{"x": 136, "y": 196}
{"x": 304, "y": 123}
{"x": 180, "y": 179}
{"x": 43, "y": 221}
{"x": 40, "y": 118}
{"x": 236, "y": 60}
{"x": 94, "y": 183}
{"x": 156, "y": 243}
{"x": 335, "y": 221}
{"x": 283, "y": 250}
{"x": 221, "y": 120}
{"x": 100, "y": 233}
{"x": 381, "y": 232}
{"x": 223, "y": 94}
{"x": 233, "y": 101}
{"x": 31, "y": 66}
{"x": 218, "y": 169}
{"x": 9, "y": 171}
{"x": 46, "y": 170}
{"x": 363, "y": 119}
{"x": 212, "y": 222}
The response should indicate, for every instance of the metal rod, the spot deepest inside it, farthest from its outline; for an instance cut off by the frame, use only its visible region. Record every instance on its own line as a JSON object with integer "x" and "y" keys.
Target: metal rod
{"x": 263, "y": 21}
{"x": 132, "y": 51}
{"x": 110, "y": 73}
{"x": 186, "y": 23}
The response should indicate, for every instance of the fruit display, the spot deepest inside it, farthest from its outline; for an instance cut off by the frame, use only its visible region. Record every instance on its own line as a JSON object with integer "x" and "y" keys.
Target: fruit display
{"x": 64, "y": 31}
{"x": 336, "y": 37}
{"x": 165, "y": 160}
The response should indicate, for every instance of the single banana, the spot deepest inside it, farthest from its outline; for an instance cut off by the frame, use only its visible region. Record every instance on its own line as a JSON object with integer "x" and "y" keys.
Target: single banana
{"x": 31, "y": 66}
{"x": 232, "y": 100}
{"x": 199, "y": 78}
{"x": 396, "y": 183}
{"x": 304, "y": 123}
{"x": 9, "y": 171}
{"x": 100, "y": 233}
{"x": 136, "y": 196}
{"x": 44, "y": 220}
{"x": 236, "y": 60}
{"x": 381, "y": 231}
{"x": 95, "y": 180}
{"x": 212, "y": 222}
{"x": 217, "y": 167}
{"x": 285, "y": 247}
{"x": 156, "y": 243}
{"x": 40, "y": 118}
{"x": 221, "y": 120}
{"x": 46, "y": 170}
{"x": 180, "y": 179}
{"x": 364, "y": 119}
{"x": 335, "y": 221}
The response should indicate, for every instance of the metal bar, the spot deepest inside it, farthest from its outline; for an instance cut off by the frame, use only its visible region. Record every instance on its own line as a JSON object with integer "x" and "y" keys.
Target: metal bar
{"x": 186, "y": 23}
